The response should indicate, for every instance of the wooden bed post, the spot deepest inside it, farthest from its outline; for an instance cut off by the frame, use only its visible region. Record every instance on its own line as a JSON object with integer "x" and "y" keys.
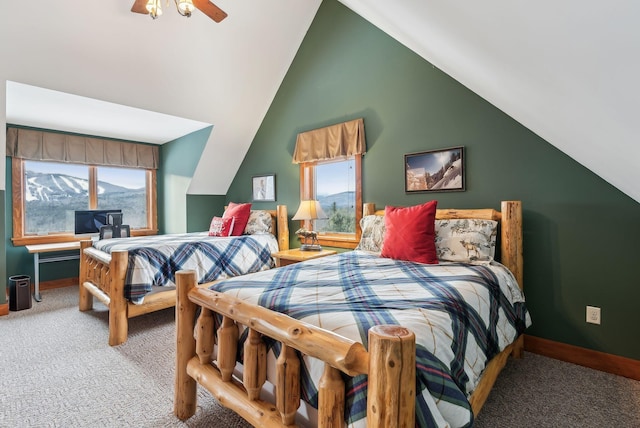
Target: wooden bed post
{"x": 391, "y": 390}
{"x": 283, "y": 227}
{"x": 511, "y": 238}
{"x": 368, "y": 209}
{"x": 85, "y": 302}
{"x": 185, "y": 400}
{"x": 118, "y": 317}
{"x": 511, "y": 253}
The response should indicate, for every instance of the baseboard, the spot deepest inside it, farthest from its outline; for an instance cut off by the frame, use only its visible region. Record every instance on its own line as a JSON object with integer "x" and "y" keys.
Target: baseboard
{"x": 4, "y": 308}
{"x": 602, "y": 361}
{"x": 58, "y": 283}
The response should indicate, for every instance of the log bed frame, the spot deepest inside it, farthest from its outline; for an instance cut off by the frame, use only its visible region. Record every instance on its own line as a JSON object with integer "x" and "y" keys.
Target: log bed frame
{"x": 102, "y": 276}
{"x": 389, "y": 362}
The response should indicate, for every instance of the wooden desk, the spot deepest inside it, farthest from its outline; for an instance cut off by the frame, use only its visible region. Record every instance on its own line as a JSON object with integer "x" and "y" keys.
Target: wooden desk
{"x": 288, "y": 257}
{"x": 49, "y": 248}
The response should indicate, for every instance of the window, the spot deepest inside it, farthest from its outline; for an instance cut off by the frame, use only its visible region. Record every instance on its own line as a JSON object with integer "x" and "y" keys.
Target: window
{"x": 46, "y": 194}
{"x": 336, "y": 184}
{"x": 124, "y": 188}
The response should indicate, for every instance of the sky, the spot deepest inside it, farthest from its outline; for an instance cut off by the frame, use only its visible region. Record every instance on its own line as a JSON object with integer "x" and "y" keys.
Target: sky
{"x": 333, "y": 177}
{"x": 432, "y": 162}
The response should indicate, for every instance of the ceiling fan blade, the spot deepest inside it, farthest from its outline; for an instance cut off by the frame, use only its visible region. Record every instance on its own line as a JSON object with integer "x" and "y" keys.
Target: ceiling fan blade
{"x": 210, "y": 9}
{"x": 140, "y": 6}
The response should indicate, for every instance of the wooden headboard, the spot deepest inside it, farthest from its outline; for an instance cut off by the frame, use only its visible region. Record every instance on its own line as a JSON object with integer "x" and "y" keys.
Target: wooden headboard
{"x": 510, "y": 219}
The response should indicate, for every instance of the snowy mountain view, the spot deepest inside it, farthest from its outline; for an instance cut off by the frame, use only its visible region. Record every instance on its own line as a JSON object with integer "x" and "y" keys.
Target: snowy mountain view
{"x": 452, "y": 178}
{"x": 51, "y": 200}
{"x": 48, "y": 187}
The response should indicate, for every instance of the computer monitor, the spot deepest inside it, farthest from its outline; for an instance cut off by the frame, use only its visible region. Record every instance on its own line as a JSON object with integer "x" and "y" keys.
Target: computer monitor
{"x": 90, "y": 221}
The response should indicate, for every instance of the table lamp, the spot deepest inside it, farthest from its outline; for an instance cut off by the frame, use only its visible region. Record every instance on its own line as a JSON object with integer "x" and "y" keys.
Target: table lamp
{"x": 309, "y": 210}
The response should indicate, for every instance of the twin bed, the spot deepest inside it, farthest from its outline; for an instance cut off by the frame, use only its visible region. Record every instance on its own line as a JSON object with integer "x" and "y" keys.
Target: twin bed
{"x": 356, "y": 339}
{"x": 135, "y": 276}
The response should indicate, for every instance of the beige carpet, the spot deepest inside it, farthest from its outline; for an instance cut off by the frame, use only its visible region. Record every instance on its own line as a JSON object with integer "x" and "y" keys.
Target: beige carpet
{"x": 57, "y": 370}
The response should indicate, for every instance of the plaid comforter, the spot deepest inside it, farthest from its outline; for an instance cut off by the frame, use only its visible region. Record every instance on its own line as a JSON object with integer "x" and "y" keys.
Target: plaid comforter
{"x": 462, "y": 315}
{"x": 153, "y": 260}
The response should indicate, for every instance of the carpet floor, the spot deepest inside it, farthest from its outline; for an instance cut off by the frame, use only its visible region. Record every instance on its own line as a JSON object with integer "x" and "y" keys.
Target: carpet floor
{"x": 57, "y": 370}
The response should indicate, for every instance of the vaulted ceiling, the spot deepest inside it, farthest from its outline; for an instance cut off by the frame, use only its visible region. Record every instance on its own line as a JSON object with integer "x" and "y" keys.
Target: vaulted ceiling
{"x": 565, "y": 70}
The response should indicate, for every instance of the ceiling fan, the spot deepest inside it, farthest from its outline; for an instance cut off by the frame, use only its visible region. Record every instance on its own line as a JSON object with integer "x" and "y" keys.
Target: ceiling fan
{"x": 185, "y": 7}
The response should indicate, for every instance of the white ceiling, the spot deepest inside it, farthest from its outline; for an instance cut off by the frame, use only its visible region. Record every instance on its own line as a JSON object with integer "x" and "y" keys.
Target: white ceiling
{"x": 222, "y": 74}
{"x": 44, "y": 108}
{"x": 566, "y": 70}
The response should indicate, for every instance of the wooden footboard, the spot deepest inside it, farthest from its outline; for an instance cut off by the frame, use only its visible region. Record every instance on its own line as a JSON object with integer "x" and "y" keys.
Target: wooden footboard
{"x": 389, "y": 363}
{"x": 103, "y": 276}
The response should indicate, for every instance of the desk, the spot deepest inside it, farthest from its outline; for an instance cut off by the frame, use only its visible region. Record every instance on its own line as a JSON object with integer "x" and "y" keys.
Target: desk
{"x": 49, "y": 248}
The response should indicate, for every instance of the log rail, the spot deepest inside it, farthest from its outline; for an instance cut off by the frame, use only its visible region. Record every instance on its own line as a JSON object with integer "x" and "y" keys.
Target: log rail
{"x": 390, "y": 362}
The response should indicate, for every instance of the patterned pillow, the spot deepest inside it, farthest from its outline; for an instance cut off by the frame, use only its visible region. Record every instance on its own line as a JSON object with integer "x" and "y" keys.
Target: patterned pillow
{"x": 260, "y": 222}
{"x": 372, "y": 233}
{"x": 221, "y": 226}
{"x": 466, "y": 240}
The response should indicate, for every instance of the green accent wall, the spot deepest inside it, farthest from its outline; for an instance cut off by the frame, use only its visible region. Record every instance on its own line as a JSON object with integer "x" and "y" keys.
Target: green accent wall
{"x": 178, "y": 161}
{"x": 579, "y": 231}
{"x": 201, "y": 209}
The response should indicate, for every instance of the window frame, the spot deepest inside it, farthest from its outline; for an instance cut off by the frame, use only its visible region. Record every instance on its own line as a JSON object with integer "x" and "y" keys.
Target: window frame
{"x": 308, "y": 191}
{"x": 19, "y": 238}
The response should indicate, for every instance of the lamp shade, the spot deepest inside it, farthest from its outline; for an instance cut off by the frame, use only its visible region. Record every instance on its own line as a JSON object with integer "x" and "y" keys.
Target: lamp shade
{"x": 154, "y": 7}
{"x": 309, "y": 210}
{"x": 186, "y": 6}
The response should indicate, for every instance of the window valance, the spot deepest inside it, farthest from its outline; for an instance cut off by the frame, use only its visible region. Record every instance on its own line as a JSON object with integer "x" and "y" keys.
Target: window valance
{"x": 331, "y": 142}
{"x": 50, "y": 146}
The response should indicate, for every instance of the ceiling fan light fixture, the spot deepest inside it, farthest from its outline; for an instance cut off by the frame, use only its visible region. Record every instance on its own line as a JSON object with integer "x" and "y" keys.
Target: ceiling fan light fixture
{"x": 185, "y": 7}
{"x": 154, "y": 8}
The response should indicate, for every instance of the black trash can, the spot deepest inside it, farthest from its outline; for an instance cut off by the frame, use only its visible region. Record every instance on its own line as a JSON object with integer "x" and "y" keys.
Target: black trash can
{"x": 19, "y": 292}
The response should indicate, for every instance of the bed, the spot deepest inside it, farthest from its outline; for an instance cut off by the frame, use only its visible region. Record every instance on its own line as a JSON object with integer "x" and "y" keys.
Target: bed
{"x": 135, "y": 276}
{"x": 388, "y": 370}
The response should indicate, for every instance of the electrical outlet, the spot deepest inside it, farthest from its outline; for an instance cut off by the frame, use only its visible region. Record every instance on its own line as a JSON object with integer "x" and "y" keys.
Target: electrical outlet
{"x": 593, "y": 315}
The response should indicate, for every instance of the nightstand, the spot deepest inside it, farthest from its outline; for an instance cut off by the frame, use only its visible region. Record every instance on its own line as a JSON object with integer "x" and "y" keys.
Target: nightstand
{"x": 289, "y": 257}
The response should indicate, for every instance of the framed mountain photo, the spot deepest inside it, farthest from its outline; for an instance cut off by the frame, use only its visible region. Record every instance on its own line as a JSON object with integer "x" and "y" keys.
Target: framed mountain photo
{"x": 434, "y": 171}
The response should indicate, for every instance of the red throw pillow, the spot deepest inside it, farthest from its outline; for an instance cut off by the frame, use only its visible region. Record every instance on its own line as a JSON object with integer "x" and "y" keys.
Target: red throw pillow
{"x": 221, "y": 226}
{"x": 241, "y": 214}
{"x": 410, "y": 233}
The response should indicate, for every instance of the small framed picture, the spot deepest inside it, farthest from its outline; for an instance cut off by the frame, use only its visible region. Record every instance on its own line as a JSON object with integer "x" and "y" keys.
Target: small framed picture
{"x": 434, "y": 171}
{"x": 264, "y": 187}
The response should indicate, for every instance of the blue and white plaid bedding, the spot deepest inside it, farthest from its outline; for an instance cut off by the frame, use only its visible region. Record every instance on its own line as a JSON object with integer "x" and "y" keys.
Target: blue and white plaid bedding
{"x": 462, "y": 315}
{"x": 154, "y": 260}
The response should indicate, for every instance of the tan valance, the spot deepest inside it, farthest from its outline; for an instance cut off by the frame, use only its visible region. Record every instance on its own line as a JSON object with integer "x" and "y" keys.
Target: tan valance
{"x": 331, "y": 142}
{"x": 50, "y": 146}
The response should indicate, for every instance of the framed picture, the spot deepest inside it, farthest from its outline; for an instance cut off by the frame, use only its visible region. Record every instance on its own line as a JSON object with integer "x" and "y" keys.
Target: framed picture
{"x": 264, "y": 187}
{"x": 434, "y": 171}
